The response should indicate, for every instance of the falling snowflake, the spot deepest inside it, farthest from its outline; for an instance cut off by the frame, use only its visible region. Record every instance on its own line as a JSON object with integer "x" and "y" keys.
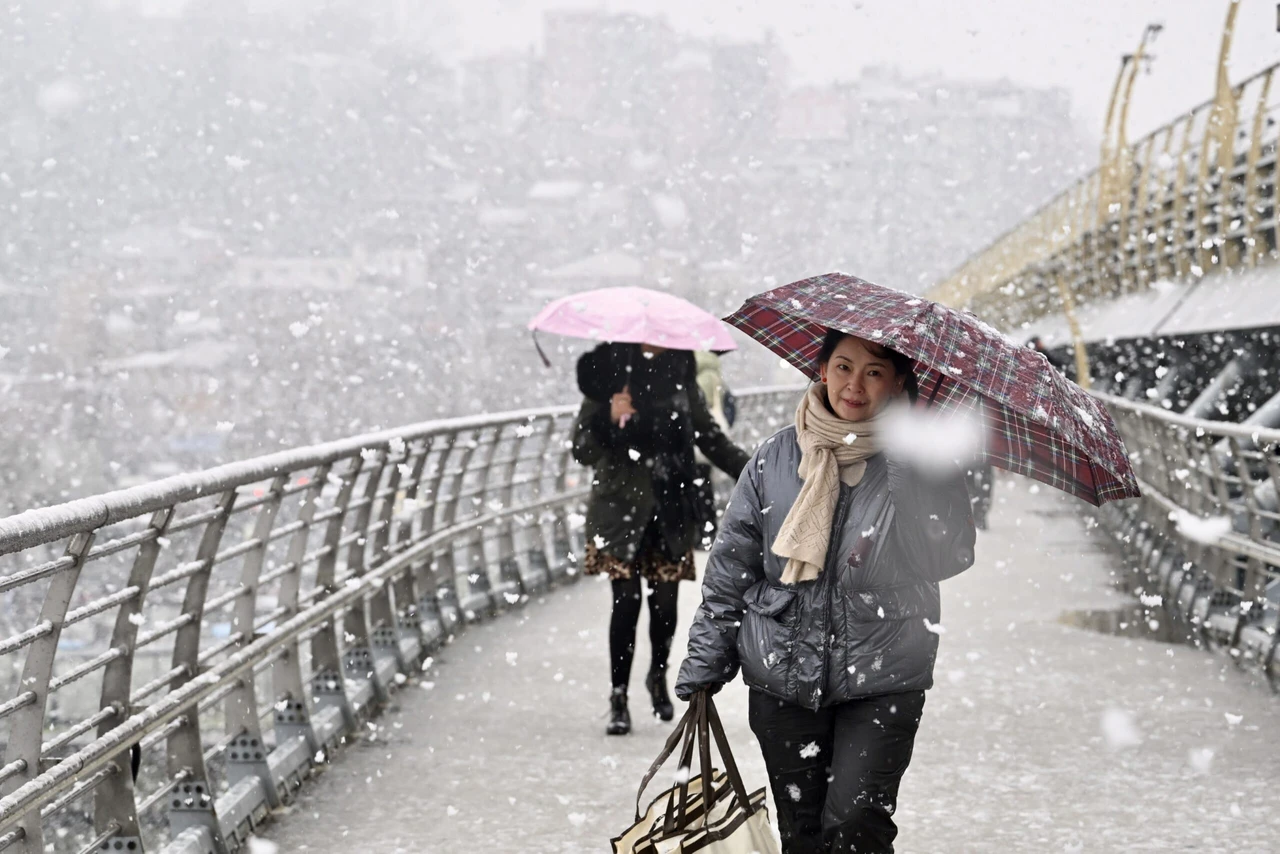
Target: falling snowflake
{"x": 1200, "y": 758}
{"x": 1119, "y": 729}
{"x": 810, "y": 750}
{"x": 262, "y": 846}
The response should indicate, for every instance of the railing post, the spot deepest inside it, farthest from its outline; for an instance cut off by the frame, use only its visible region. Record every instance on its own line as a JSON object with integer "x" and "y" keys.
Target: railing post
{"x": 1254, "y": 248}
{"x": 26, "y": 734}
{"x": 328, "y": 682}
{"x": 1182, "y": 259}
{"x": 292, "y": 716}
{"x": 246, "y": 753}
{"x": 384, "y": 622}
{"x": 113, "y": 799}
{"x": 443, "y": 599}
{"x": 449, "y": 516}
{"x": 565, "y": 566}
{"x": 478, "y": 600}
{"x": 530, "y": 537}
{"x": 486, "y": 563}
{"x": 1254, "y": 585}
{"x": 361, "y": 659}
{"x": 515, "y": 575}
{"x": 404, "y": 587}
{"x": 191, "y": 804}
{"x": 510, "y": 590}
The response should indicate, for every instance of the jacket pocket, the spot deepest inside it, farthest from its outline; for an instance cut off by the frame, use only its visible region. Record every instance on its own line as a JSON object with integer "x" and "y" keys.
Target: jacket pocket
{"x": 765, "y": 642}
{"x": 900, "y": 602}
{"x": 767, "y": 600}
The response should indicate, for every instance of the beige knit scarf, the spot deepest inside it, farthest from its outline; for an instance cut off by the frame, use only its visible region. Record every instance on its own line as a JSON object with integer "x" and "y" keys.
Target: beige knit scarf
{"x": 833, "y": 450}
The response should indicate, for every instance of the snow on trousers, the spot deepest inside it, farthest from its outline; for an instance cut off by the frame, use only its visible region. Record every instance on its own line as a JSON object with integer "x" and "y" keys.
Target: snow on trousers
{"x": 835, "y": 771}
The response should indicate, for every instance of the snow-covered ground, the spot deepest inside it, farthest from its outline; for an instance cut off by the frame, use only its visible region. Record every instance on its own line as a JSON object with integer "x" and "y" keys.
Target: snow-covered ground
{"x": 1038, "y": 737}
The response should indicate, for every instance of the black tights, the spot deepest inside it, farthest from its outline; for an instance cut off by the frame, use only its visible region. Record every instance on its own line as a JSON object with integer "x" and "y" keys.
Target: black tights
{"x": 626, "y": 616}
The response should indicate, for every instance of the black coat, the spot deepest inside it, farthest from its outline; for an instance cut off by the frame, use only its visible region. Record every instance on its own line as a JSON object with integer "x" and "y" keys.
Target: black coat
{"x": 644, "y": 470}
{"x": 863, "y": 626}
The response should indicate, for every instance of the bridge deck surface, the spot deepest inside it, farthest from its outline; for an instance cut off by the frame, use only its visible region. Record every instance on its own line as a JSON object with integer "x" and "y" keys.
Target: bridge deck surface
{"x": 501, "y": 746}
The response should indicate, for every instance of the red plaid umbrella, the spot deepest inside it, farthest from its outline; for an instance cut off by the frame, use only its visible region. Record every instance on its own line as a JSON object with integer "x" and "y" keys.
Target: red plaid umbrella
{"x": 1037, "y": 422}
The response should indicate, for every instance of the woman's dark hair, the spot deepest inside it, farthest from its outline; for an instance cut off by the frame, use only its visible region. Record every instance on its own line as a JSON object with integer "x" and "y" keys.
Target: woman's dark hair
{"x": 903, "y": 366}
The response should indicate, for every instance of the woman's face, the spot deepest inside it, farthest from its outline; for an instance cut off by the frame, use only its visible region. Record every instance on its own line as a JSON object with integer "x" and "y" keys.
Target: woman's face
{"x": 859, "y": 382}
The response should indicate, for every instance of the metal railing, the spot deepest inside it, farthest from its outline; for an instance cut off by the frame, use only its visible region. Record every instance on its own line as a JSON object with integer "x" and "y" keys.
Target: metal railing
{"x": 1207, "y": 529}
{"x": 1197, "y": 194}
{"x": 183, "y": 654}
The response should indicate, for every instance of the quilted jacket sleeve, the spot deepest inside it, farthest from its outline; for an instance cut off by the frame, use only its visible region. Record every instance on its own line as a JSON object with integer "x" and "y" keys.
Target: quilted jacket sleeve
{"x": 713, "y": 441}
{"x": 735, "y": 564}
{"x": 933, "y": 524}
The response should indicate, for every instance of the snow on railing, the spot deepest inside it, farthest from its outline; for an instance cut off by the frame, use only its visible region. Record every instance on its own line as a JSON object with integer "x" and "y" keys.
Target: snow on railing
{"x": 1207, "y": 529}
{"x": 184, "y": 653}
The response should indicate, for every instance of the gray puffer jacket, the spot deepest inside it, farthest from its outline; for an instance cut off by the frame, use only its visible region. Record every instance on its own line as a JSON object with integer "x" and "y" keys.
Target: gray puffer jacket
{"x": 863, "y": 626}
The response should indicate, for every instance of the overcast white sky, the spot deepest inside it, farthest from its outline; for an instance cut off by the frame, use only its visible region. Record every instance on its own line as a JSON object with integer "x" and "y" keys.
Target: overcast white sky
{"x": 1071, "y": 43}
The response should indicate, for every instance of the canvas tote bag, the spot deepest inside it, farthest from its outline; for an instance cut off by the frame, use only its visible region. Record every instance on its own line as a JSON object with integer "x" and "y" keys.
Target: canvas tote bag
{"x": 711, "y": 813}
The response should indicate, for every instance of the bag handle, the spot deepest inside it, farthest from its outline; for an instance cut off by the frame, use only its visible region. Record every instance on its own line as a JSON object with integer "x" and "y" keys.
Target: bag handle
{"x": 682, "y": 730}
{"x": 730, "y": 766}
{"x": 676, "y": 815}
{"x": 698, "y": 728}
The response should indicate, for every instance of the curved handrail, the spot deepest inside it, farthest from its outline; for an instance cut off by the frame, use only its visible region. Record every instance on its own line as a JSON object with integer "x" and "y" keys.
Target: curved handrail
{"x": 366, "y": 552}
{"x": 1191, "y": 470}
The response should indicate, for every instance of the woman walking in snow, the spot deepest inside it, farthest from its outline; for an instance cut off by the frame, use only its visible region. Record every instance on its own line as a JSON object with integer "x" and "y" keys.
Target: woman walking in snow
{"x": 641, "y": 416}
{"x": 823, "y": 588}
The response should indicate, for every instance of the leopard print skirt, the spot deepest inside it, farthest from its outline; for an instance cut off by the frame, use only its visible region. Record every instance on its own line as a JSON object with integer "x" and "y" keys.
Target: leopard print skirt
{"x": 651, "y": 562}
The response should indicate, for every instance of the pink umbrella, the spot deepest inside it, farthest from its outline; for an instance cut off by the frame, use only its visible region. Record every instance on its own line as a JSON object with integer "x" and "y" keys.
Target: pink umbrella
{"x": 634, "y": 316}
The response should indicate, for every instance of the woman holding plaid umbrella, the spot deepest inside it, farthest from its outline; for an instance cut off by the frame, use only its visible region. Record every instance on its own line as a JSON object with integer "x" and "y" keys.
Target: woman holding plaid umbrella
{"x": 823, "y": 587}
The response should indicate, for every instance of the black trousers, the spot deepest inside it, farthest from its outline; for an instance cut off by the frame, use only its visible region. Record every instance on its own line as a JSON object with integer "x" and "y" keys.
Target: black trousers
{"x": 835, "y": 772}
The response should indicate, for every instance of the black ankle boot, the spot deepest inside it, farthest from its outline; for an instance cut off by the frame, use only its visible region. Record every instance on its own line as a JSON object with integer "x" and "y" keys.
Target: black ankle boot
{"x": 656, "y": 682}
{"x": 619, "y": 717}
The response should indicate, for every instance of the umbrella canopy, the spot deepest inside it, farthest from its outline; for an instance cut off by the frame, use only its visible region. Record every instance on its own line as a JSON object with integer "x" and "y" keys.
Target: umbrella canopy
{"x": 1037, "y": 422}
{"x": 635, "y": 316}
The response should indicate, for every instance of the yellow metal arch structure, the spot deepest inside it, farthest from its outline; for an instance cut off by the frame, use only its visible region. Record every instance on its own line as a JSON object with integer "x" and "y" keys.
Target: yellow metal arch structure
{"x": 1197, "y": 194}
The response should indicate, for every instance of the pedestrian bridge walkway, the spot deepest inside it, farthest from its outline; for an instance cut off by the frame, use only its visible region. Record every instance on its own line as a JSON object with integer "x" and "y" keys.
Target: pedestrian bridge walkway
{"x": 380, "y": 644}
{"x": 1039, "y": 736}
